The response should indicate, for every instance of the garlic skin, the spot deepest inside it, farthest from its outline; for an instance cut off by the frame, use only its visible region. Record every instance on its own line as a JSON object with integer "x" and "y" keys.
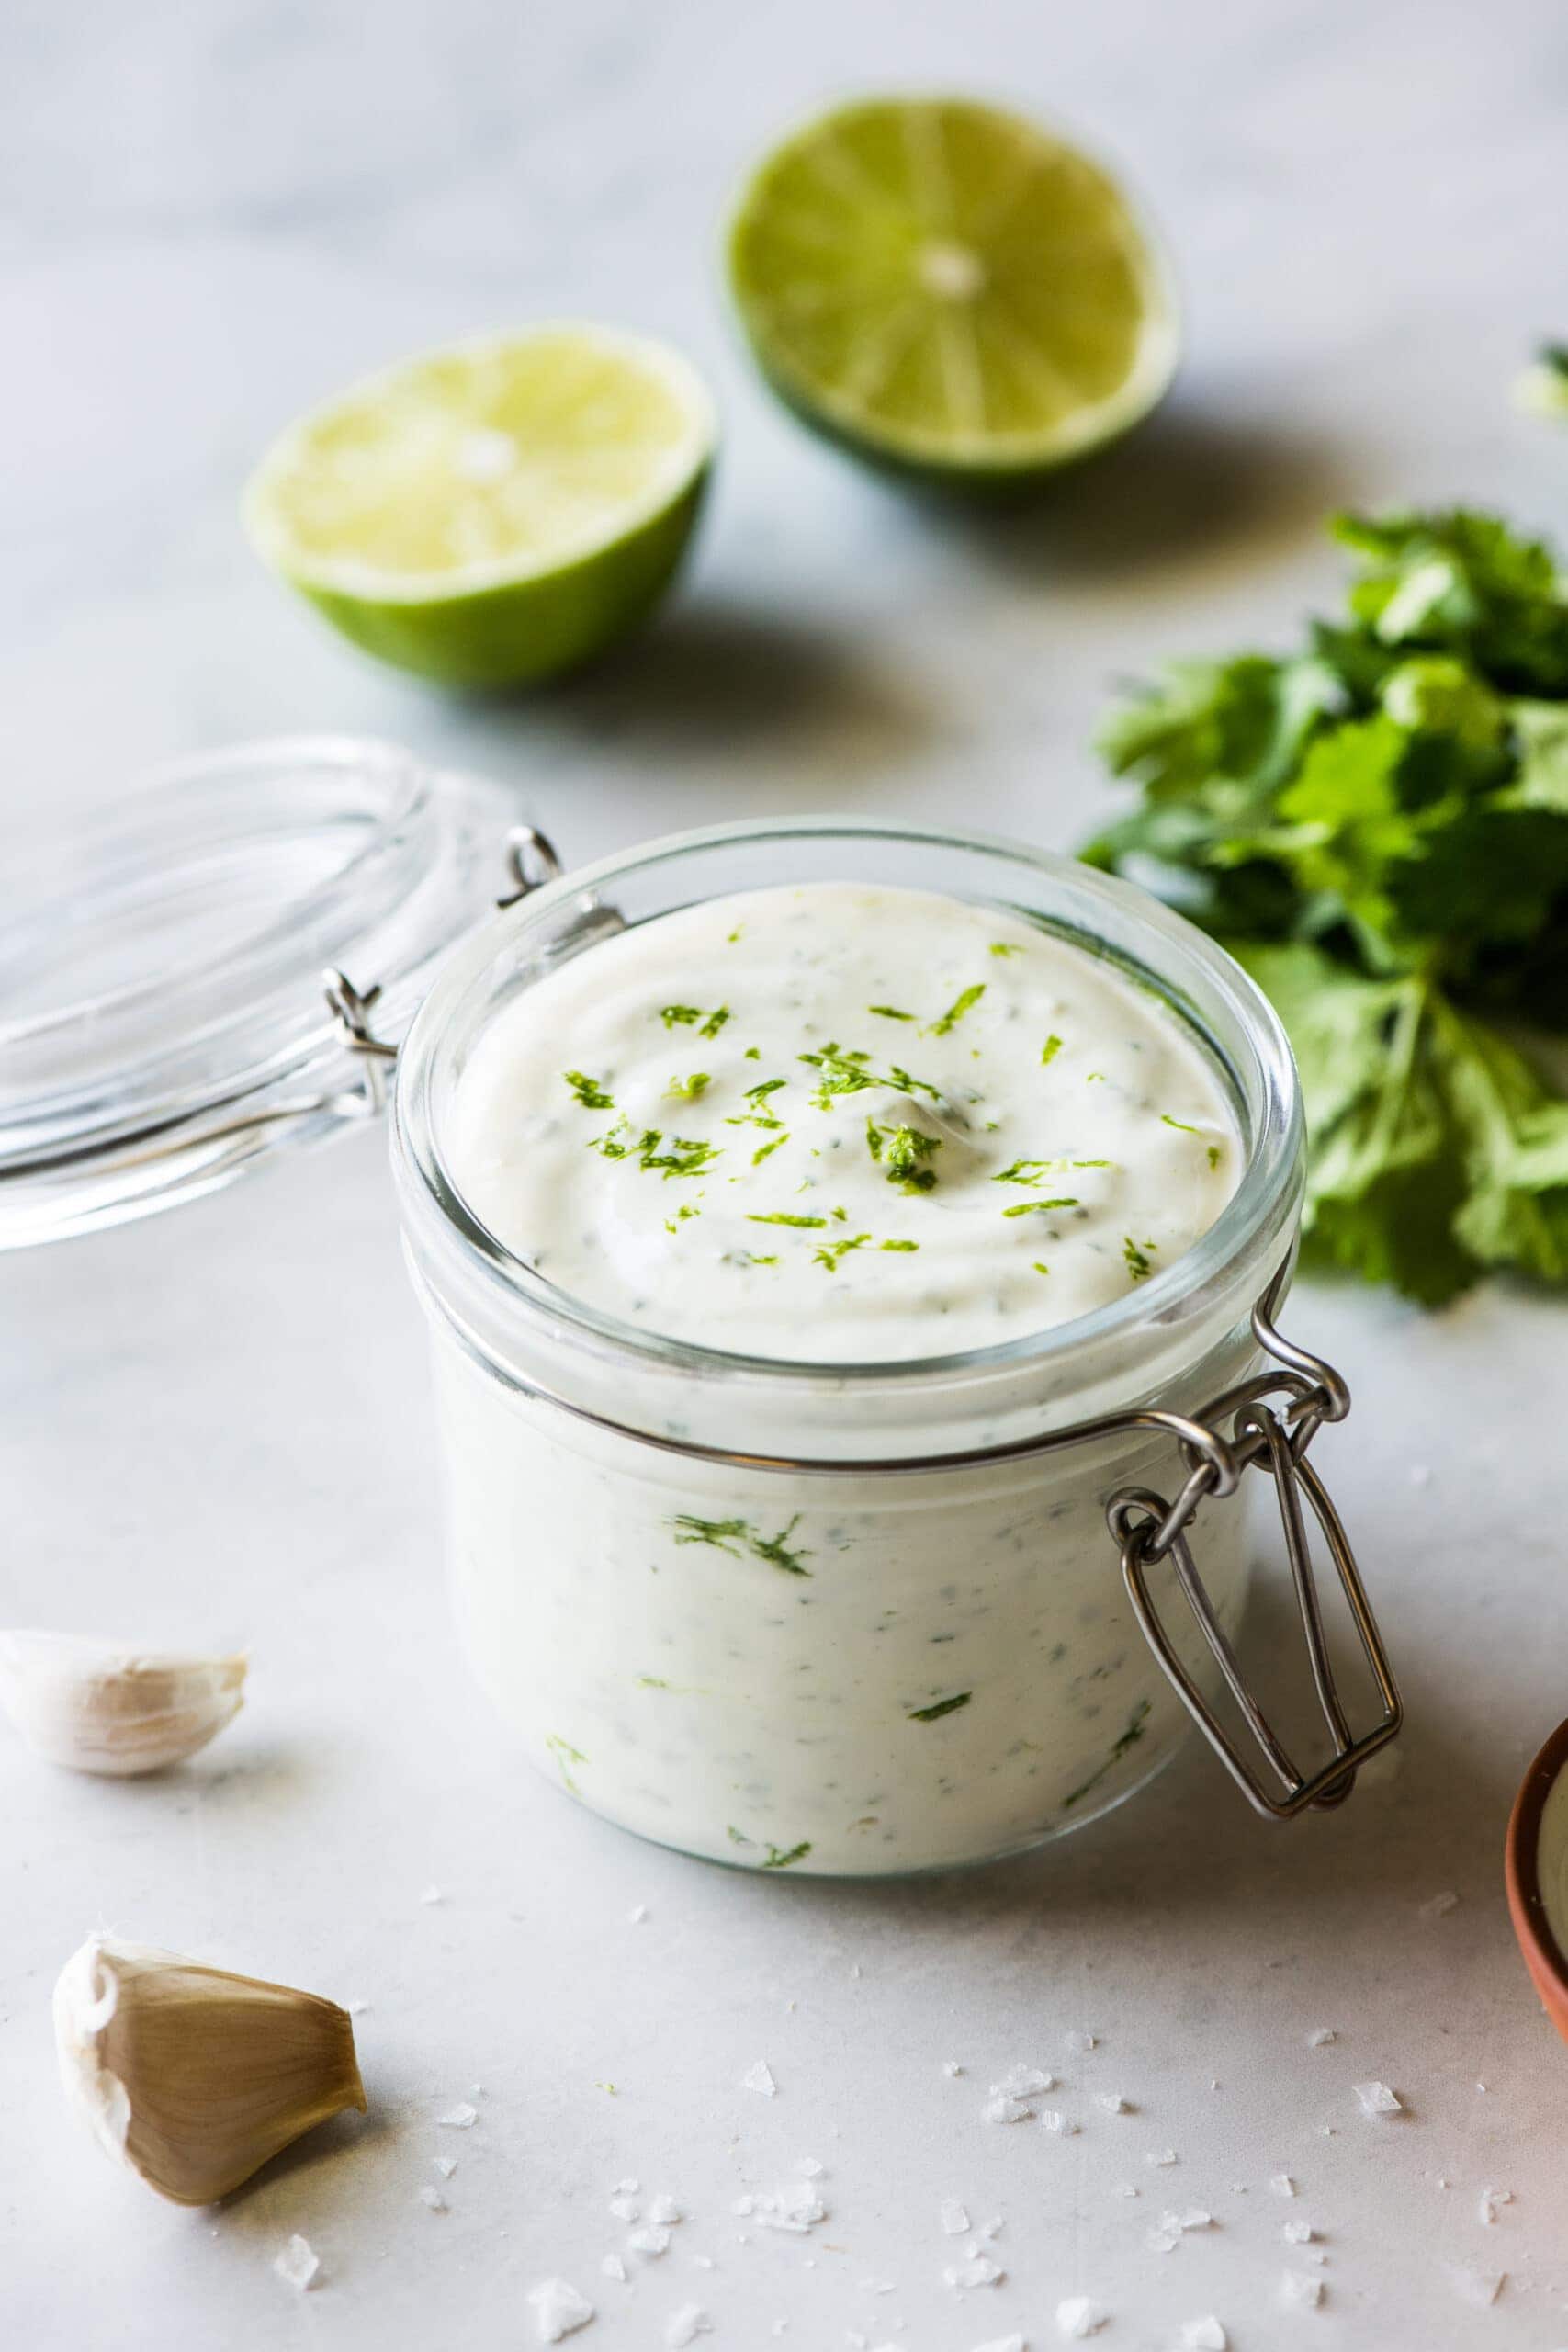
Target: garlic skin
{"x": 191, "y": 2076}
{"x": 96, "y": 1706}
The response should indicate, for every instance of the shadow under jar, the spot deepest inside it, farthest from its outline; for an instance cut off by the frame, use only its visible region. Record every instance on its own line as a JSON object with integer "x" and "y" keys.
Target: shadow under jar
{"x": 868, "y": 1618}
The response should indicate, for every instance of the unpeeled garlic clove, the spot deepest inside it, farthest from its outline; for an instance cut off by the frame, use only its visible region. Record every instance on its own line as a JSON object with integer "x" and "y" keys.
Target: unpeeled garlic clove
{"x": 97, "y": 1706}
{"x": 190, "y": 2076}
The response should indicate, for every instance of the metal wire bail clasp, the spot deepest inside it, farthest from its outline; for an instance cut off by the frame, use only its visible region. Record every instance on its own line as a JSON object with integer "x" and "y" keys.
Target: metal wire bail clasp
{"x": 1273, "y": 1436}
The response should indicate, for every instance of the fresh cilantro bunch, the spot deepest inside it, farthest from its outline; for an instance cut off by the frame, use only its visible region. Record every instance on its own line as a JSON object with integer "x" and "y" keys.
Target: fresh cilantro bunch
{"x": 1377, "y": 826}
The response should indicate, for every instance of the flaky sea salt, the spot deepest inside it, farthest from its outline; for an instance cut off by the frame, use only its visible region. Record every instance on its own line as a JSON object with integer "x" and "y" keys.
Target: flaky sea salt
{"x": 1162, "y": 2156}
{"x": 1204, "y": 2334}
{"x": 297, "y": 2264}
{"x": 1376, "y": 2099}
{"x": 953, "y": 2218}
{"x": 1054, "y": 2120}
{"x": 1321, "y": 2036}
{"x": 625, "y": 2208}
{"x": 809, "y": 2169}
{"x": 1481, "y": 2288}
{"x": 1299, "y": 2288}
{"x": 1002, "y": 2107}
{"x": 1281, "y": 2184}
{"x": 651, "y": 2242}
{"x": 358, "y": 2008}
{"x": 974, "y": 2270}
{"x": 558, "y": 2310}
{"x": 1022, "y": 2082}
{"x": 950, "y": 2067}
{"x": 1490, "y": 2199}
{"x": 1125, "y": 2188}
{"x": 636, "y": 1915}
{"x": 796, "y": 2206}
{"x": 613, "y": 2268}
{"x": 1166, "y": 2236}
{"x": 664, "y": 2209}
{"x": 1437, "y": 1907}
{"x": 1079, "y": 2042}
{"x": 759, "y": 2078}
{"x": 1297, "y": 2233}
{"x": 1002, "y": 2344}
{"x": 1078, "y": 2316}
{"x": 685, "y": 2325}
{"x": 462, "y": 2117}
{"x": 1112, "y": 2102}
{"x": 433, "y": 1894}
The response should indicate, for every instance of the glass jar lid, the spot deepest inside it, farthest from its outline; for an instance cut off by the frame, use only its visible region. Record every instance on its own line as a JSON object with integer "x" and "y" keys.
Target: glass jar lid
{"x": 165, "y": 1019}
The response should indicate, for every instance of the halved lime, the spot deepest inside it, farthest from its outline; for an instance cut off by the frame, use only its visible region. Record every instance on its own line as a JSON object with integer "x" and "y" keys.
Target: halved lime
{"x": 951, "y": 290}
{"x": 493, "y": 512}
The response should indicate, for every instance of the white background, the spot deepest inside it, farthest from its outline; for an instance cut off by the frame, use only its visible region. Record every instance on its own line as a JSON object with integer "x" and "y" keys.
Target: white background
{"x": 219, "y": 1422}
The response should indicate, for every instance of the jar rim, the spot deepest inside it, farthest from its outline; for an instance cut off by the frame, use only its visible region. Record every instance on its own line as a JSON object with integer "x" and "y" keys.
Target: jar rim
{"x": 1260, "y": 1211}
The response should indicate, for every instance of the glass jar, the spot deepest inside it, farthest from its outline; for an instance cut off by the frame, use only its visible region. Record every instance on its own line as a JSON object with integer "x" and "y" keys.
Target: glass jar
{"x": 713, "y": 1593}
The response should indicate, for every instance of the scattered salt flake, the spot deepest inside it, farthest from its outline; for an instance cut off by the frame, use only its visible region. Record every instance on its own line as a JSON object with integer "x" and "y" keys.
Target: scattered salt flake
{"x": 433, "y": 2199}
{"x": 1321, "y": 2036}
{"x": 1054, "y": 2120}
{"x": 877, "y": 2287}
{"x": 1376, "y": 2099}
{"x": 1002, "y": 2107}
{"x": 1204, "y": 2334}
{"x": 991, "y": 2229}
{"x": 558, "y": 2310}
{"x": 445, "y": 2167}
{"x": 1162, "y": 2156}
{"x": 1079, "y": 2042}
{"x": 625, "y": 2208}
{"x": 1196, "y": 2218}
{"x": 1491, "y": 2199}
{"x": 953, "y": 2218}
{"x": 744, "y": 2205}
{"x": 636, "y": 1915}
{"x": 1297, "y": 2233}
{"x": 297, "y": 2264}
{"x": 1438, "y": 1906}
{"x": 433, "y": 1894}
{"x": 1481, "y": 2288}
{"x": 627, "y": 2188}
{"x": 1281, "y": 2184}
{"x": 854, "y": 1967}
{"x": 759, "y": 2078}
{"x": 651, "y": 2242}
{"x": 704, "y": 2262}
{"x": 1164, "y": 2240}
{"x": 462, "y": 2119}
{"x": 358, "y": 2008}
{"x": 1078, "y": 2316}
{"x": 1299, "y": 2287}
{"x": 1113, "y": 2103}
{"x": 1125, "y": 2188}
{"x": 1003, "y": 2344}
{"x": 974, "y": 2270}
{"x": 1419, "y": 1475}
{"x": 664, "y": 2209}
{"x": 613, "y": 2268}
{"x": 950, "y": 2067}
{"x": 796, "y": 2206}
{"x": 1022, "y": 2082}
{"x": 685, "y": 2325}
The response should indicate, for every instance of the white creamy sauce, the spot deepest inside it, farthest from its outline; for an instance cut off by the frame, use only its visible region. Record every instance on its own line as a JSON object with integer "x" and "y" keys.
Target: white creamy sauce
{"x": 790, "y": 1670}
{"x": 842, "y": 1124}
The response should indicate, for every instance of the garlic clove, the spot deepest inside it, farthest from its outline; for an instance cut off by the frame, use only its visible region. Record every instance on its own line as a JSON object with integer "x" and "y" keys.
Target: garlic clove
{"x": 190, "y": 2076}
{"x": 97, "y": 1706}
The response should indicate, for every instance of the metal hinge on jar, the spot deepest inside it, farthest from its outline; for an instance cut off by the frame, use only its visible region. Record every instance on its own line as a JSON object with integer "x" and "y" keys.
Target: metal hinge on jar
{"x": 1272, "y": 1436}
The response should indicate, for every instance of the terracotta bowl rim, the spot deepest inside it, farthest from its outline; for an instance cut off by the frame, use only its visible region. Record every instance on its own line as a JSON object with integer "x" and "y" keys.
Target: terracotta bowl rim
{"x": 1521, "y": 1856}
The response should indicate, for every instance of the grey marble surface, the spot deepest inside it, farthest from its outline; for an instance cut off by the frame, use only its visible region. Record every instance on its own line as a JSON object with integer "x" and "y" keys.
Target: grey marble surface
{"x": 211, "y": 216}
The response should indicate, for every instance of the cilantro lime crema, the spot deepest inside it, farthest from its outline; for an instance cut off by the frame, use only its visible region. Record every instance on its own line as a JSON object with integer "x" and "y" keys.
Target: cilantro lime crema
{"x": 835, "y": 1123}
{"x": 854, "y": 1127}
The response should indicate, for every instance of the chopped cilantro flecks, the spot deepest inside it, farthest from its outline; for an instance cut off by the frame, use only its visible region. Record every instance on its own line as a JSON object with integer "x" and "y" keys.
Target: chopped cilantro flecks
{"x": 829, "y": 1253}
{"x": 1138, "y": 1265}
{"x": 1005, "y": 948}
{"x": 1166, "y": 1121}
{"x": 901, "y": 1152}
{"x": 587, "y": 1090}
{"x": 942, "y": 1707}
{"x": 692, "y": 1016}
{"x": 738, "y": 1537}
{"x": 776, "y": 1857}
{"x": 1051, "y": 1048}
{"x": 685, "y": 1157}
{"x": 843, "y": 1071}
{"x": 1027, "y": 1208}
{"x": 889, "y": 1013}
{"x": 782, "y": 1217}
{"x": 898, "y": 1245}
{"x": 686, "y": 1209}
{"x": 566, "y": 1755}
{"x": 1129, "y": 1738}
{"x": 686, "y": 1089}
{"x": 955, "y": 1011}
